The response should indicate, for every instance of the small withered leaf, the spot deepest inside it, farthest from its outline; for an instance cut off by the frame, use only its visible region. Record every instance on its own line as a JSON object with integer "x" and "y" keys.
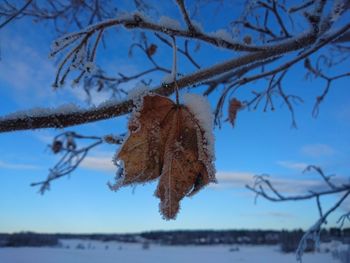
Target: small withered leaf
{"x": 56, "y": 146}
{"x": 167, "y": 141}
{"x": 234, "y": 106}
{"x": 151, "y": 50}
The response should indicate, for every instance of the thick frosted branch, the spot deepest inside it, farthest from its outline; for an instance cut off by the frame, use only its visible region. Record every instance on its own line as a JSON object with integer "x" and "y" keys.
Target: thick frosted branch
{"x": 57, "y": 119}
{"x": 137, "y": 20}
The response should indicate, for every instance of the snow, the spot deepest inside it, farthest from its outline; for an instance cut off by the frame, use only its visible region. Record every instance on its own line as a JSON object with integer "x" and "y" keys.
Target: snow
{"x": 110, "y": 252}
{"x": 168, "y": 78}
{"x": 123, "y": 15}
{"x": 200, "y": 108}
{"x": 338, "y": 8}
{"x": 90, "y": 67}
{"x": 68, "y": 108}
{"x": 138, "y": 91}
{"x": 41, "y": 112}
{"x": 197, "y": 25}
{"x": 168, "y": 22}
{"x": 224, "y": 35}
{"x": 64, "y": 41}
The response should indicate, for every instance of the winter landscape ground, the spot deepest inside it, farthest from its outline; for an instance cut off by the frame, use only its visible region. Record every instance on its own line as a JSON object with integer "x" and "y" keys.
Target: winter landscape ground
{"x": 87, "y": 251}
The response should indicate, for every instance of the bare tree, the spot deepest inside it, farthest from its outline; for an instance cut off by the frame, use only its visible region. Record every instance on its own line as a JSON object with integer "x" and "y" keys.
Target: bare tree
{"x": 266, "y": 40}
{"x": 263, "y": 187}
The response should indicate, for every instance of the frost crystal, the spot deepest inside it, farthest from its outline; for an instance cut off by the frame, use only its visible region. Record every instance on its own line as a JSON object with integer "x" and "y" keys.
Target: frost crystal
{"x": 41, "y": 112}
{"x": 168, "y": 78}
{"x": 90, "y": 67}
{"x": 166, "y": 21}
{"x": 119, "y": 176}
{"x": 197, "y": 25}
{"x": 338, "y": 8}
{"x": 223, "y": 34}
{"x": 138, "y": 91}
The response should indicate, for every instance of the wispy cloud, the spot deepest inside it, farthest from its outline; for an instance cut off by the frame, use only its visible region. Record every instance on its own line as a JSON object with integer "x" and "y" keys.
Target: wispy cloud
{"x": 226, "y": 180}
{"x": 25, "y": 69}
{"x": 317, "y": 150}
{"x": 18, "y": 166}
{"x": 28, "y": 72}
{"x": 238, "y": 180}
{"x": 99, "y": 163}
{"x": 299, "y": 166}
{"x": 233, "y": 179}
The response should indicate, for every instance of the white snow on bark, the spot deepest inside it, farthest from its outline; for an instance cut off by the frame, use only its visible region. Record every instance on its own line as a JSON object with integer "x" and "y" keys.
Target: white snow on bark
{"x": 168, "y": 22}
{"x": 200, "y": 108}
{"x": 197, "y": 26}
{"x": 168, "y": 78}
{"x": 223, "y": 34}
{"x": 41, "y": 112}
{"x": 138, "y": 91}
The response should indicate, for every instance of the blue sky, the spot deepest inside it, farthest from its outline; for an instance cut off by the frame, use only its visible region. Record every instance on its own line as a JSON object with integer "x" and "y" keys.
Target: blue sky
{"x": 261, "y": 142}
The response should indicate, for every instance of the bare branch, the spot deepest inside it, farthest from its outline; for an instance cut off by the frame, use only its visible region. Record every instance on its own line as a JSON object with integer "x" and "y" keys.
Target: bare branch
{"x": 327, "y": 179}
{"x": 185, "y": 15}
{"x": 185, "y": 52}
{"x": 329, "y": 81}
{"x": 343, "y": 219}
{"x": 65, "y": 144}
{"x": 71, "y": 156}
{"x": 301, "y": 6}
{"x": 17, "y": 13}
{"x": 313, "y": 233}
{"x": 264, "y": 188}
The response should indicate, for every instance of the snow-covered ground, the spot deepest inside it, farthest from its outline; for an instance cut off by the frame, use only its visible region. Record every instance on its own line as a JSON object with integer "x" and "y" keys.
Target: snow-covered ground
{"x": 105, "y": 252}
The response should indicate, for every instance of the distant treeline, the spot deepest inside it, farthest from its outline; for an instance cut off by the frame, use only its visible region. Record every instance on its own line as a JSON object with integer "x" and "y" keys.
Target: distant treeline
{"x": 287, "y": 239}
{"x": 28, "y": 239}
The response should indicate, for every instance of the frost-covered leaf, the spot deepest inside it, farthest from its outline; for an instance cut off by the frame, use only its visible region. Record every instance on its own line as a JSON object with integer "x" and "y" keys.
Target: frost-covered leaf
{"x": 183, "y": 172}
{"x": 141, "y": 151}
{"x": 167, "y": 140}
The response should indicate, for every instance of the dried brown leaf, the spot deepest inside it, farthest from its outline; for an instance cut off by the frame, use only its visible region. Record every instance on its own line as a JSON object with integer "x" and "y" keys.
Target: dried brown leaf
{"x": 141, "y": 153}
{"x": 151, "y": 50}
{"x": 234, "y": 106}
{"x": 166, "y": 140}
{"x": 183, "y": 173}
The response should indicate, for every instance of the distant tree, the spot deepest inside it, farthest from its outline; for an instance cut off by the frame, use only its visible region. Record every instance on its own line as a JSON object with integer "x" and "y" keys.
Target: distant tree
{"x": 267, "y": 39}
{"x": 290, "y": 240}
{"x": 28, "y": 239}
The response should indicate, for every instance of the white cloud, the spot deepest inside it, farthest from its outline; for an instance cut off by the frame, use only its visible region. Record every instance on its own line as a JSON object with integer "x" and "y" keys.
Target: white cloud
{"x": 17, "y": 166}
{"x": 299, "y": 166}
{"x": 99, "y": 163}
{"x": 28, "y": 74}
{"x": 226, "y": 180}
{"x": 26, "y": 71}
{"x": 238, "y": 180}
{"x": 317, "y": 150}
{"x": 233, "y": 179}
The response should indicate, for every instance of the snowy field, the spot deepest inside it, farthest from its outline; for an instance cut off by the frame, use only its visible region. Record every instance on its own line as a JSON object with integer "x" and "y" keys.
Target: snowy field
{"x": 86, "y": 251}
